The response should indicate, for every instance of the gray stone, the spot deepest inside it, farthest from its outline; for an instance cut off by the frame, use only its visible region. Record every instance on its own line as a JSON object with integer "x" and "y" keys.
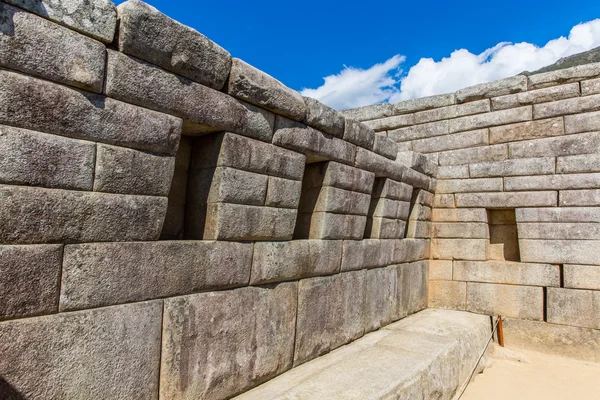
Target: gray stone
{"x": 554, "y": 214}
{"x": 459, "y": 249}
{"x": 36, "y": 215}
{"x": 587, "y": 122}
{"x": 39, "y": 159}
{"x": 283, "y": 193}
{"x": 317, "y": 146}
{"x": 460, "y": 110}
{"x": 367, "y": 113}
{"x": 527, "y": 130}
{"x": 448, "y": 294}
{"x": 29, "y": 280}
{"x": 379, "y": 165}
{"x": 525, "y": 166}
{"x": 417, "y": 161}
{"x": 536, "y": 96}
{"x": 431, "y": 129}
{"x": 474, "y": 155}
{"x": 122, "y": 170}
{"x": 500, "y": 87}
{"x": 359, "y": 134}
{"x": 109, "y": 353}
{"x": 566, "y": 75}
{"x": 384, "y": 228}
{"x": 97, "y": 18}
{"x": 494, "y": 118}
{"x": 395, "y": 122}
{"x": 390, "y": 189}
{"x": 458, "y": 230}
{"x": 331, "y": 199}
{"x": 324, "y": 118}
{"x": 470, "y": 185}
{"x": 460, "y": 215}
{"x": 384, "y": 146}
{"x": 424, "y": 103}
{"x": 444, "y": 201}
{"x": 409, "y": 250}
{"x": 250, "y": 330}
{"x": 546, "y": 182}
{"x": 31, "y": 103}
{"x": 574, "y": 307}
{"x": 339, "y": 176}
{"x": 381, "y": 297}
{"x": 388, "y": 208}
{"x": 325, "y": 225}
{"x": 453, "y": 172}
{"x": 580, "y": 163}
{"x": 367, "y": 253}
{"x": 510, "y": 273}
{"x": 582, "y": 277}
{"x": 583, "y": 143}
{"x": 563, "y": 251}
{"x": 256, "y": 87}
{"x": 570, "y": 198}
{"x": 146, "y": 33}
{"x": 284, "y": 261}
{"x": 573, "y": 231}
{"x": 568, "y": 106}
{"x": 506, "y": 200}
{"x": 412, "y": 288}
{"x": 510, "y": 301}
{"x": 160, "y": 269}
{"x": 203, "y": 109}
{"x": 39, "y": 47}
{"x": 226, "y": 185}
{"x": 591, "y": 86}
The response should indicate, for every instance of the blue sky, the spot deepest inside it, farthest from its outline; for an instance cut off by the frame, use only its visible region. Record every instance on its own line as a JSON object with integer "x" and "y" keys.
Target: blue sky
{"x": 300, "y": 43}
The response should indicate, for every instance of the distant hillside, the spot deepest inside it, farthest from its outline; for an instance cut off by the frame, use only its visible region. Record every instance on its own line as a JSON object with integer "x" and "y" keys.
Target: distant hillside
{"x": 587, "y": 57}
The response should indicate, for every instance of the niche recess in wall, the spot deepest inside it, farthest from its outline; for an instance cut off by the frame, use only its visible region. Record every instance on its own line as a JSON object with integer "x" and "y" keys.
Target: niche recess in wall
{"x": 312, "y": 183}
{"x": 504, "y": 238}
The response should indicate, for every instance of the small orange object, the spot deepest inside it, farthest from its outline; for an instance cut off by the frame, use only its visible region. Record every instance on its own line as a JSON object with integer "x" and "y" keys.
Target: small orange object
{"x": 500, "y": 331}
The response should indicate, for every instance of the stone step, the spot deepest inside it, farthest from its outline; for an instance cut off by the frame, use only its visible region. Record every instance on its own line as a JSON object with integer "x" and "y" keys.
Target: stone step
{"x": 428, "y": 355}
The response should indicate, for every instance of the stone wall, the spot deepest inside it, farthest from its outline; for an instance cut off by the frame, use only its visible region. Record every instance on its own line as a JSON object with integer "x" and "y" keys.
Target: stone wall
{"x": 516, "y": 213}
{"x": 175, "y": 223}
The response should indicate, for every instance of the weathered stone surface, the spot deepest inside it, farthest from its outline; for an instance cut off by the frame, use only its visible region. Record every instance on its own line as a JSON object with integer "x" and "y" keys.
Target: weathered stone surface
{"x": 367, "y": 253}
{"x": 512, "y": 301}
{"x": 536, "y": 96}
{"x": 146, "y": 33}
{"x": 566, "y": 75}
{"x": 395, "y": 122}
{"x": 504, "y": 200}
{"x": 466, "y": 230}
{"x": 331, "y": 199}
{"x": 324, "y": 118}
{"x": 366, "y": 113}
{"x": 226, "y": 185}
{"x": 591, "y": 86}
{"x": 470, "y": 185}
{"x": 438, "y": 128}
{"x": 256, "y": 87}
{"x": 331, "y": 313}
{"x": 567, "y": 341}
{"x": 460, "y": 110}
{"x": 160, "y": 269}
{"x": 574, "y": 307}
{"x": 573, "y": 231}
{"x": 31, "y": 103}
{"x": 283, "y": 261}
{"x": 359, "y": 134}
{"x": 409, "y": 250}
{"x": 568, "y": 181}
{"x": 324, "y": 225}
{"x": 444, "y": 201}
{"x": 381, "y": 297}
{"x": 203, "y": 109}
{"x": 525, "y": 166}
{"x": 417, "y": 161}
{"x": 583, "y": 143}
{"x": 570, "y": 198}
{"x": 390, "y": 189}
{"x": 460, "y": 215}
{"x": 417, "y": 179}
{"x": 568, "y": 106}
{"x": 109, "y": 353}
{"x": 251, "y": 333}
{"x": 412, "y": 288}
{"x": 240, "y": 222}
{"x": 440, "y": 270}
{"x": 453, "y": 172}
{"x": 122, "y": 170}
{"x": 385, "y": 147}
{"x": 388, "y": 208}
{"x": 339, "y": 176}
{"x": 494, "y": 118}
{"x": 35, "y": 215}
{"x": 419, "y": 229}
{"x": 97, "y": 18}
{"x": 554, "y": 214}
{"x": 582, "y": 276}
{"x": 586, "y": 122}
{"x": 581, "y": 163}
{"x": 448, "y": 294}
{"x": 500, "y": 87}
{"x": 384, "y": 228}
{"x": 283, "y": 193}
{"x": 527, "y": 130}
{"x": 29, "y": 280}
{"x": 474, "y": 155}
{"x": 381, "y": 166}
{"x": 39, "y": 47}
{"x": 560, "y": 251}
{"x": 459, "y": 249}
{"x": 39, "y": 159}
{"x": 511, "y": 273}
{"x": 452, "y": 142}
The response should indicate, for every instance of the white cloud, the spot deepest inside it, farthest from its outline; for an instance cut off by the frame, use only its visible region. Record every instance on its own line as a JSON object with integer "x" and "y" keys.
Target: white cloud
{"x": 382, "y": 82}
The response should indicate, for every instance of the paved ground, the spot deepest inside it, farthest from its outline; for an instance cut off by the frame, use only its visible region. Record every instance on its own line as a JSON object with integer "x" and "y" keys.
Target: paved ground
{"x": 546, "y": 377}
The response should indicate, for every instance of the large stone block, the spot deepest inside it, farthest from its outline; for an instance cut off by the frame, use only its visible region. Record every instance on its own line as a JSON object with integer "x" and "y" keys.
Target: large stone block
{"x": 417, "y": 161}
{"x": 331, "y": 199}
{"x": 536, "y": 96}
{"x": 409, "y": 250}
{"x": 29, "y": 280}
{"x": 371, "y": 112}
{"x": 569, "y": 106}
{"x": 582, "y": 276}
{"x": 452, "y": 142}
{"x": 318, "y": 146}
{"x": 583, "y": 143}
{"x": 283, "y": 193}
{"x": 387, "y": 208}
{"x": 470, "y": 185}
{"x": 460, "y": 110}
{"x": 359, "y": 134}
{"x": 226, "y": 221}
{"x": 473, "y": 155}
{"x": 390, "y": 189}
{"x": 510, "y": 273}
{"x": 506, "y": 200}
{"x": 384, "y": 146}
{"x": 161, "y": 269}
{"x": 404, "y": 107}
{"x": 284, "y": 261}
{"x": 574, "y": 307}
{"x": 448, "y": 295}
{"x": 325, "y": 225}
{"x": 256, "y": 87}
{"x": 527, "y": 130}
{"x": 385, "y": 228}
{"x": 494, "y": 118}
{"x": 453, "y": 172}
{"x": 444, "y": 201}
{"x": 39, "y": 47}
{"x": 381, "y": 297}
{"x": 500, "y": 87}
{"x": 39, "y": 159}
{"x": 109, "y": 353}
{"x": 331, "y": 313}
{"x": 460, "y": 215}
{"x": 525, "y": 302}
{"x": 367, "y": 253}
{"x": 97, "y": 18}
{"x": 570, "y": 198}
{"x": 340, "y": 176}
{"x": 146, "y": 33}
{"x": 466, "y": 230}
{"x": 394, "y": 122}
{"x": 575, "y": 164}
{"x": 324, "y": 118}
{"x": 560, "y": 251}
{"x": 591, "y": 86}
{"x": 251, "y": 336}
{"x": 379, "y": 165}
{"x": 549, "y": 182}
{"x": 422, "y": 131}
{"x": 35, "y": 215}
{"x": 525, "y": 166}
{"x": 203, "y": 109}
{"x": 562, "y": 230}
{"x": 554, "y": 214}
{"x": 417, "y": 179}
{"x": 587, "y": 122}
{"x": 122, "y": 170}
{"x": 412, "y": 288}
{"x": 459, "y": 249}
{"x": 565, "y": 75}
{"x": 31, "y": 103}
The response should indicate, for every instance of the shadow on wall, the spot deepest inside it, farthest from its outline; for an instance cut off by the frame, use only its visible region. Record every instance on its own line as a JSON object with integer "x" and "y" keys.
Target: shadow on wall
{"x": 7, "y": 392}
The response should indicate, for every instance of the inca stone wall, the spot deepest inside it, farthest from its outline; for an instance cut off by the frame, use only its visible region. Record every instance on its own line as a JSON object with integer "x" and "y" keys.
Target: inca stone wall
{"x": 516, "y": 215}
{"x": 175, "y": 223}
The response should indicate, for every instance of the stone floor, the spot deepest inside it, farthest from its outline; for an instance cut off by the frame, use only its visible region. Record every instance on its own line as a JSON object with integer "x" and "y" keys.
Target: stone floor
{"x": 526, "y": 374}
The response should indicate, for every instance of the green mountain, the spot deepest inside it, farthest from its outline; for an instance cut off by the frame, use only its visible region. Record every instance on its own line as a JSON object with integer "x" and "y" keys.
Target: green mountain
{"x": 587, "y": 57}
